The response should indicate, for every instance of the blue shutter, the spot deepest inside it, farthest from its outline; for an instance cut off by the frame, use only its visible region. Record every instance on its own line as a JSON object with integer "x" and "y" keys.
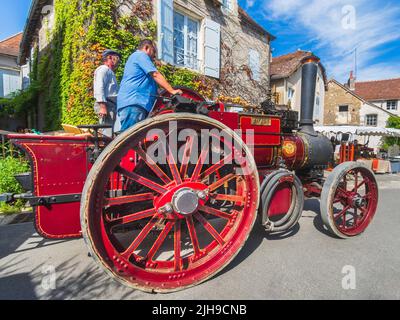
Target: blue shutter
{"x": 212, "y": 48}
{"x": 1, "y": 84}
{"x": 254, "y": 64}
{"x": 11, "y": 82}
{"x": 166, "y": 30}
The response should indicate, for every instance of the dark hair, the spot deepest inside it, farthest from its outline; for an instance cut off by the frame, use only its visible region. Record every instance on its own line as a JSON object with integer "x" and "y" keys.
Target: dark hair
{"x": 146, "y": 42}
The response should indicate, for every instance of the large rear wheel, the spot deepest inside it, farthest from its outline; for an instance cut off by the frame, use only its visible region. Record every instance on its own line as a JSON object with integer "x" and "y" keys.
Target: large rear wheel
{"x": 159, "y": 220}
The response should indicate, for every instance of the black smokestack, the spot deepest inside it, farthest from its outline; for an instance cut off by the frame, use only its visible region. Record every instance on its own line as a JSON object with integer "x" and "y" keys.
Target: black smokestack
{"x": 308, "y": 84}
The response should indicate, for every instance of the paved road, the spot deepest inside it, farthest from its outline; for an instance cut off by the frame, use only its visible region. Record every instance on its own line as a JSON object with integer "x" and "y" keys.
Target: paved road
{"x": 306, "y": 264}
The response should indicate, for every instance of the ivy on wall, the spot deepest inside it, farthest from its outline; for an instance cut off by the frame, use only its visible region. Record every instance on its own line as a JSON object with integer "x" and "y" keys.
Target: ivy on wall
{"x": 62, "y": 75}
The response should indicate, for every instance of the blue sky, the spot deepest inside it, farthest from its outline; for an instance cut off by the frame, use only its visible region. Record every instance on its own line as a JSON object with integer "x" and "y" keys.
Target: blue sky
{"x": 13, "y": 16}
{"x": 332, "y": 29}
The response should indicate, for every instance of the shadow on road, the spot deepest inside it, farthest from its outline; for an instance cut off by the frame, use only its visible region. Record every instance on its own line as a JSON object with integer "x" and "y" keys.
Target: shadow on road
{"x": 12, "y": 237}
{"x": 72, "y": 281}
{"x": 258, "y": 234}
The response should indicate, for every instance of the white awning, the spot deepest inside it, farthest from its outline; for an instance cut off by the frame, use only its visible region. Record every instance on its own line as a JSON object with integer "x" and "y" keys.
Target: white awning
{"x": 359, "y": 130}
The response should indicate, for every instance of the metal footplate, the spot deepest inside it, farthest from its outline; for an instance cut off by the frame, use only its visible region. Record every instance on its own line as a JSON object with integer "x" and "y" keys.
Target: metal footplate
{"x": 41, "y": 201}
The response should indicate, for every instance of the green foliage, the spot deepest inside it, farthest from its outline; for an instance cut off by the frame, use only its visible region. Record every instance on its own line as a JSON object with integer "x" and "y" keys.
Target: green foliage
{"x": 179, "y": 76}
{"x": 62, "y": 75}
{"x": 9, "y": 167}
{"x": 393, "y": 122}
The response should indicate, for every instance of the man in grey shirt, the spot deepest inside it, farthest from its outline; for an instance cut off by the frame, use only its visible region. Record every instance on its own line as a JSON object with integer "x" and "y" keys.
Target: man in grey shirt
{"x": 106, "y": 89}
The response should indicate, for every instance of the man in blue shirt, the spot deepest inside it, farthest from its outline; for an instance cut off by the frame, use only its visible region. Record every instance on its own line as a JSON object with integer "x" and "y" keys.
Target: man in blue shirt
{"x": 138, "y": 88}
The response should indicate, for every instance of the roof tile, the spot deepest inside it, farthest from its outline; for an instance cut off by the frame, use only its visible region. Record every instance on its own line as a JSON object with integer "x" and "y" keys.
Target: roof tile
{"x": 379, "y": 90}
{"x": 10, "y": 46}
{"x": 286, "y": 65}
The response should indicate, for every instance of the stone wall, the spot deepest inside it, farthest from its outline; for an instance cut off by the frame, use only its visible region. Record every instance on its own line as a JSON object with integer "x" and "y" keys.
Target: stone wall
{"x": 335, "y": 97}
{"x": 237, "y": 37}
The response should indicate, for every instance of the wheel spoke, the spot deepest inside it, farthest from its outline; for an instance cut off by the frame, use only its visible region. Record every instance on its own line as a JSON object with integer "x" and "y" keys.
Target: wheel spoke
{"x": 193, "y": 236}
{"x": 128, "y": 199}
{"x": 214, "y": 233}
{"x": 220, "y": 182}
{"x": 355, "y": 217}
{"x": 355, "y": 181}
{"x": 152, "y": 165}
{"x": 228, "y": 197}
{"x": 186, "y": 157}
{"x": 141, "y": 180}
{"x": 173, "y": 167}
{"x": 343, "y": 192}
{"x": 160, "y": 240}
{"x": 134, "y": 217}
{"x": 359, "y": 186}
{"x": 215, "y": 212}
{"x": 177, "y": 246}
{"x": 342, "y": 213}
{"x": 216, "y": 166}
{"x": 139, "y": 239}
{"x": 200, "y": 162}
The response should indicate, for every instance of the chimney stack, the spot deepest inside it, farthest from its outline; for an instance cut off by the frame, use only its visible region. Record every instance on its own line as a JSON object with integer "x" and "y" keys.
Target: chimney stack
{"x": 352, "y": 82}
{"x": 308, "y": 88}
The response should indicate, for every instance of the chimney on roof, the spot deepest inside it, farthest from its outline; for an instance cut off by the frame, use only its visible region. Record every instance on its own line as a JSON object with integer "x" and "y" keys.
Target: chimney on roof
{"x": 351, "y": 83}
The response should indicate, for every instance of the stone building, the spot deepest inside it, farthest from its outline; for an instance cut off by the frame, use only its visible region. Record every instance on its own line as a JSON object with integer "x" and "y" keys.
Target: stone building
{"x": 215, "y": 38}
{"x": 286, "y": 74}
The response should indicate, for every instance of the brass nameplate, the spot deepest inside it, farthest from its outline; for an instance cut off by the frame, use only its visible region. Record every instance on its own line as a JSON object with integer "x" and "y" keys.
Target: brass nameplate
{"x": 260, "y": 121}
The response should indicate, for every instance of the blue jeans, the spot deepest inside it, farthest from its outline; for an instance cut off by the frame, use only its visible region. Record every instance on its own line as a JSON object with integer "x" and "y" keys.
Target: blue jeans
{"x": 131, "y": 115}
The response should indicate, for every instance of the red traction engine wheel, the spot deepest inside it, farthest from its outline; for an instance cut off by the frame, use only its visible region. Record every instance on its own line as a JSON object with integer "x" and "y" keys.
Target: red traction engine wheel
{"x": 349, "y": 200}
{"x": 166, "y": 225}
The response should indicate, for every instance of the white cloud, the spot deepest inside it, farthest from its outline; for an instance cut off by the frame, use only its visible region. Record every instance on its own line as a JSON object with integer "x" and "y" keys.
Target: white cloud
{"x": 330, "y": 30}
{"x": 250, "y": 3}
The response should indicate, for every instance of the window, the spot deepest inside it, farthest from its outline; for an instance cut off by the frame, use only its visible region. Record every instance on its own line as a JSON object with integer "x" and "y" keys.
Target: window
{"x": 290, "y": 93}
{"x": 391, "y": 105}
{"x": 227, "y": 4}
{"x": 186, "y": 32}
{"x": 10, "y": 82}
{"x": 343, "y": 115}
{"x": 372, "y": 120}
{"x": 317, "y": 108}
{"x": 254, "y": 64}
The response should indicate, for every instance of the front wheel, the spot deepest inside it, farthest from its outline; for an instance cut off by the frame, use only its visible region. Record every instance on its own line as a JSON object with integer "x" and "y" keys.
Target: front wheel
{"x": 349, "y": 200}
{"x": 169, "y": 219}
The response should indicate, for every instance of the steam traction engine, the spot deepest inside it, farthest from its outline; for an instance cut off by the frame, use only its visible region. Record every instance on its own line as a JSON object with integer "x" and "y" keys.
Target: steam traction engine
{"x": 160, "y": 220}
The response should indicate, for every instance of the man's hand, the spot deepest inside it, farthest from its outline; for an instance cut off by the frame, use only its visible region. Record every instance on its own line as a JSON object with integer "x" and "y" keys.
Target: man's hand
{"x": 103, "y": 110}
{"x": 163, "y": 83}
{"x": 176, "y": 92}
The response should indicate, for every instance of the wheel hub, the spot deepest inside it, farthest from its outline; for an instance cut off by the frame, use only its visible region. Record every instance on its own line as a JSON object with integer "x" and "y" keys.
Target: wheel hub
{"x": 359, "y": 202}
{"x": 185, "y": 201}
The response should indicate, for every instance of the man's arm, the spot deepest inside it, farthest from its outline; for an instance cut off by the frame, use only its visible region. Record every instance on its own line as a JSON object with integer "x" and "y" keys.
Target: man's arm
{"x": 163, "y": 83}
{"x": 99, "y": 91}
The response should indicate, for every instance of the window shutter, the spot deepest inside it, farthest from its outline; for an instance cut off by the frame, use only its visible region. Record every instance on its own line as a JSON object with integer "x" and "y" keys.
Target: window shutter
{"x": 166, "y": 30}
{"x": 254, "y": 64}
{"x": 11, "y": 83}
{"x": 212, "y": 48}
